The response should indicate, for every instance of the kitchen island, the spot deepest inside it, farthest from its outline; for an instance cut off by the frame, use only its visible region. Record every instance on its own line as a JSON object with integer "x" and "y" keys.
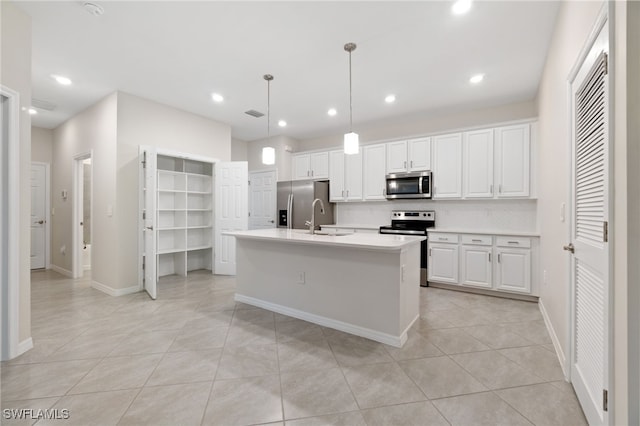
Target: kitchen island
{"x": 363, "y": 284}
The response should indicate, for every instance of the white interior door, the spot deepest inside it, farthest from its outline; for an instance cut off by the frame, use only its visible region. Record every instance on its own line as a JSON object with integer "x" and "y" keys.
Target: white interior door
{"x": 148, "y": 161}
{"x": 262, "y": 200}
{"x": 38, "y": 215}
{"x": 590, "y": 216}
{"x": 231, "y": 212}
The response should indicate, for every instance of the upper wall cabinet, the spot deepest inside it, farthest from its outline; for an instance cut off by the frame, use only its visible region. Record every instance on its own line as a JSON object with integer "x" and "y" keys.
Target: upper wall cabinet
{"x": 409, "y": 156}
{"x": 374, "y": 165}
{"x": 311, "y": 166}
{"x": 447, "y": 166}
{"x": 477, "y": 158}
{"x": 513, "y": 158}
{"x": 345, "y": 175}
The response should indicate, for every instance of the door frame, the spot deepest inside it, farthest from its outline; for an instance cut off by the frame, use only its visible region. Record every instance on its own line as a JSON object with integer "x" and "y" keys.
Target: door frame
{"x": 78, "y": 172}
{"x": 47, "y": 215}
{"x": 11, "y": 305}
{"x": 603, "y": 19}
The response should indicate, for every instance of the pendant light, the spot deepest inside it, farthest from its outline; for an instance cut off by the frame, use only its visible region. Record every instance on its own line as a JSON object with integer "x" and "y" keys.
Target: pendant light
{"x": 268, "y": 152}
{"x": 351, "y": 143}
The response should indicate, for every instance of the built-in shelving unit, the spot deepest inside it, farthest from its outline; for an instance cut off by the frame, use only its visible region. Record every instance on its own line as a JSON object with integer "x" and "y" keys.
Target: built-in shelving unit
{"x": 184, "y": 215}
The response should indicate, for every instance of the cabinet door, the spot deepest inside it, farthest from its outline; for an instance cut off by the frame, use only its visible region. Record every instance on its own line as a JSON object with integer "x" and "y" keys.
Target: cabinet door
{"x": 319, "y": 165}
{"x": 336, "y": 176}
{"x": 301, "y": 166}
{"x": 447, "y": 166}
{"x": 353, "y": 176}
{"x": 513, "y": 269}
{"x": 374, "y": 164}
{"x": 397, "y": 157}
{"x": 443, "y": 263}
{"x": 476, "y": 266}
{"x": 419, "y": 154}
{"x": 478, "y": 164}
{"x": 513, "y": 160}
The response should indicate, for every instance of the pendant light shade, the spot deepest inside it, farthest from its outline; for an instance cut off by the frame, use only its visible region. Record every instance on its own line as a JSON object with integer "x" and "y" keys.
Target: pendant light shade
{"x": 351, "y": 140}
{"x": 268, "y": 152}
{"x": 268, "y": 155}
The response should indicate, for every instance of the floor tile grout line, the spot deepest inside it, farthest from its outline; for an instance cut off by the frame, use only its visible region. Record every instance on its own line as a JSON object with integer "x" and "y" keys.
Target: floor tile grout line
{"x": 275, "y": 330}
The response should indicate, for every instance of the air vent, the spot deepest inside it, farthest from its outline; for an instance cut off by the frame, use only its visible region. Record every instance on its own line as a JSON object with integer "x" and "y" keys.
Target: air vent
{"x": 254, "y": 113}
{"x": 40, "y": 104}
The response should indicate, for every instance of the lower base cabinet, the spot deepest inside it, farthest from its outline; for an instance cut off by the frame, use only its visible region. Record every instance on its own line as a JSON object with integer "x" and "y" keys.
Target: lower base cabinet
{"x": 489, "y": 262}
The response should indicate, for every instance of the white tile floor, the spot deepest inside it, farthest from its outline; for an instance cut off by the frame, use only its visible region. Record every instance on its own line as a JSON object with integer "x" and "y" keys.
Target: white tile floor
{"x": 195, "y": 356}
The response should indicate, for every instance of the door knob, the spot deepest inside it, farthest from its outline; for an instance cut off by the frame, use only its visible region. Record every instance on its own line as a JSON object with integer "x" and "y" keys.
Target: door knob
{"x": 150, "y": 228}
{"x": 570, "y": 248}
{"x": 40, "y": 222}
{"x": 81, "y": 223}
{"x": 272, "y": 221}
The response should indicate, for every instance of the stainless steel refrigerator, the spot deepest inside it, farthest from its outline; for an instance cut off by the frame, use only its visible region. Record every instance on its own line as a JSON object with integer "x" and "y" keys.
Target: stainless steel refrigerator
{"x": 294, "y": 203}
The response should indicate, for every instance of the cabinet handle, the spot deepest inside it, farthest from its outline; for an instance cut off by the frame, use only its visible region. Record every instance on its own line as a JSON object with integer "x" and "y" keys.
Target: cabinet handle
{"x": 498, "y": 257}
{"x": 443, "y": 239}
{"x": 384, "y": 191}
{"x": 476, "y": 241}
{"x": 489, "y": 257}
{"x": 429, "y": 252}
{"x": 500, "y": 188}
{"x": 405, "y": 164}
{"x": 343, "y": 193}
{"x": 512, "y": 242}
{"x": 411, "y": 164}
{"x": 491, "y": 189}
{"x": 311, "y": 172}
{"x": 347, "y": 193}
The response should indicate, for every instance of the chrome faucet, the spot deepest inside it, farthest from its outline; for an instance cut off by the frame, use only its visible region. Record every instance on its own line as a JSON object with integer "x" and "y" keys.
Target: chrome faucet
{"x": 312, "y": 224}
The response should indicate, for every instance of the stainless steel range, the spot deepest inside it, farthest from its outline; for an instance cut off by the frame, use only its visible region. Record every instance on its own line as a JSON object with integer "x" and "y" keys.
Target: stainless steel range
{"x": 413, "y": 222}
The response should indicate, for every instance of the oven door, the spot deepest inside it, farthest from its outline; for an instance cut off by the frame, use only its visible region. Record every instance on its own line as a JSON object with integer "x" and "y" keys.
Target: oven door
{"x": 408, "y": 185}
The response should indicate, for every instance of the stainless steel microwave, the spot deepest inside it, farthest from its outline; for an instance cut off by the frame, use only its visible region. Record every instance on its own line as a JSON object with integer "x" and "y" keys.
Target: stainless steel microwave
{"x": 408, "y": 185}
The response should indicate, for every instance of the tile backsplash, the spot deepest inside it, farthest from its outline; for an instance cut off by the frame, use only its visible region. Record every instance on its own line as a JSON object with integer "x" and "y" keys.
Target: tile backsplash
{"x": 508, "y": 215}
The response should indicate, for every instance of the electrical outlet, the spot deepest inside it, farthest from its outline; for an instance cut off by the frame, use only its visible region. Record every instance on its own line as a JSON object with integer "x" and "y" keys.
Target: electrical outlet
{"x": 544, "y": 276}
{"x": 301, "y": 278}
{"x": 63, "y": 250}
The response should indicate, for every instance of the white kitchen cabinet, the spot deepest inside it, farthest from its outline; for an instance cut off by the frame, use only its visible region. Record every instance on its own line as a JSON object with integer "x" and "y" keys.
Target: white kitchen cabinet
{"x": 442, "y": 265}
{"x": 311, "y": 166}
{"x": 409, "y": 156}
{"x": 513, "y": 269}
{"x": 477, "y": 168}
{"x": 345, "y": 176}
{"x": 476, "y": 264}
{"x": 447, "y": 166}
{"x": 374, "y": 165}
{"x": 512, "y": 168}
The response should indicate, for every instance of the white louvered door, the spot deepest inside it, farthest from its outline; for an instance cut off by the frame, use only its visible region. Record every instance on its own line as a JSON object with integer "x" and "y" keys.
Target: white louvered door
{"x": 590, "y": 216}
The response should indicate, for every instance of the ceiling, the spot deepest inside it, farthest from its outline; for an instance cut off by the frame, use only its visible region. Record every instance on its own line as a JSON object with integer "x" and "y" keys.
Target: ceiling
{"x": 179, "y": 52}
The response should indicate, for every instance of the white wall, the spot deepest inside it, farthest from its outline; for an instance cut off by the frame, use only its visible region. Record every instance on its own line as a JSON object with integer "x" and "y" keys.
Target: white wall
{"x": 144, "y": 122}
{"x": 283, "y": 157}
{"x": 239, "y": 150}
{"x": 16, "y": 74}
{"x": 41, "y": 145}
{"x": 574, "y": 23}
{"x": 93, "y": 129}
{"x": 434, "y": 122}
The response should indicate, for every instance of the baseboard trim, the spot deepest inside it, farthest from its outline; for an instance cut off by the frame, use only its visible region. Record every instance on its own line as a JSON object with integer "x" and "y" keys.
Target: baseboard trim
{"x": 388, "y": 339}
{"x": 62, "y": 271}
{"x": 114, "y": 291}
{"x": 554, "y": 340}
{"x": 24, "y": 346}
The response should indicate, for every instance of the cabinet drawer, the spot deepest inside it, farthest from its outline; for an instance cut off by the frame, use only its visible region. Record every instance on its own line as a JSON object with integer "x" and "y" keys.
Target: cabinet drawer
{"x": 513, "y": 242}
{"x": 478, "y": 240}
{"x": 443, "y": 238}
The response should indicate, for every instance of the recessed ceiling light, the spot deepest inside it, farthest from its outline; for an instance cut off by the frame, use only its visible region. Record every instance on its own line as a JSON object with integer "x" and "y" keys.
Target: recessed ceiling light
{"x": 93, "y": 9}
{"x": 282, "y": 123}
{"x": 332, "y": 112}
{"x": 390, "y": 99}
{"x": 476, "y": 78}
{"x": 61, "y": 80}
{"x": 33, "y": 111}
{"x": 461, "y": 6}
{"x": 217, "y": 97}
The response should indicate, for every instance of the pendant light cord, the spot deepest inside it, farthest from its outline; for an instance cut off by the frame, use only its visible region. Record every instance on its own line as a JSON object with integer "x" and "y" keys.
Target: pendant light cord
{"x": 350, "y": 98}
{"x": 268, "y": 108}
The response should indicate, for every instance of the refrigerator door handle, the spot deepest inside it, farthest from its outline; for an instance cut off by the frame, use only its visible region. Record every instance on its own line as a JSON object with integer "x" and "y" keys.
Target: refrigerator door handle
{"x": 289, "y": 212}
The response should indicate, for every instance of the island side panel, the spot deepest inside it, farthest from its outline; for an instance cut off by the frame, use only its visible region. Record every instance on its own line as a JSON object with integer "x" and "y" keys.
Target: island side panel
{"x": 354, "y": 286}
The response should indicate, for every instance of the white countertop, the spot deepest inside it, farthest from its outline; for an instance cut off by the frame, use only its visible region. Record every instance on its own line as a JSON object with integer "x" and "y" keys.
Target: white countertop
{"x": 485, "y": 232}
{"x": 352, "y": 226}
{"x": 356, "y": 240}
